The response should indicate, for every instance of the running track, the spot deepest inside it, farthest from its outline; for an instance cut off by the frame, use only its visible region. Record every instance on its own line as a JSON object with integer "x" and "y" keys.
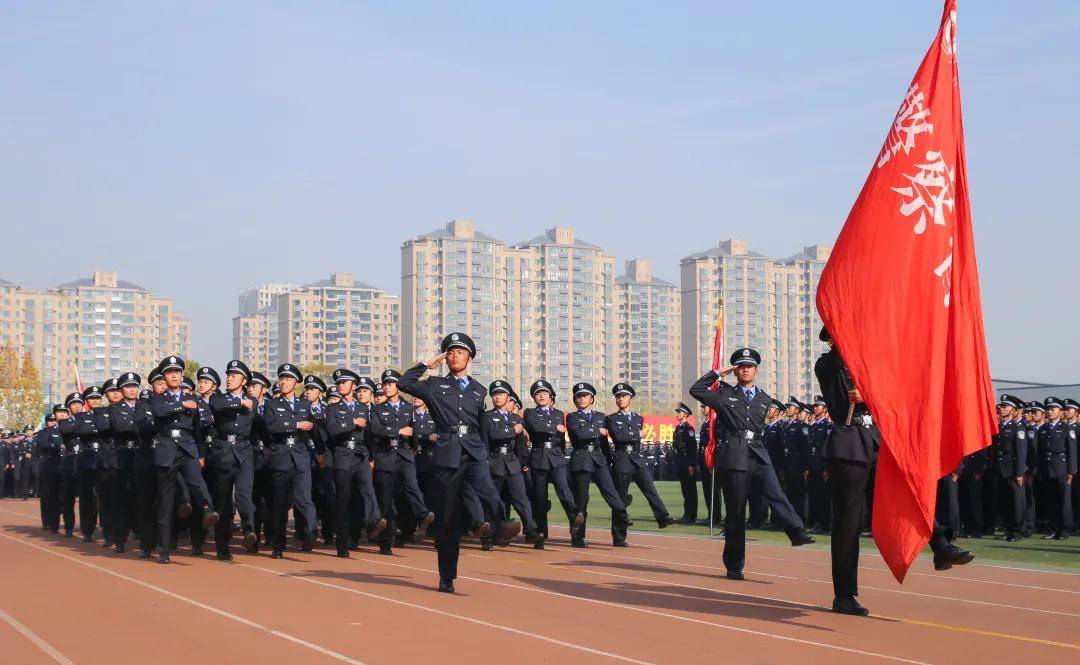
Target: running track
{"x": 663, "y": 600}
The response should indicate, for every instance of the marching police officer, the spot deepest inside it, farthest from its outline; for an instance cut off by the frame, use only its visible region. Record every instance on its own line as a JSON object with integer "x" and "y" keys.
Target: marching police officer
{"x": 345, "y": 425}
{"x": 262, "y": 486}
{"x": 743, "y": 409}
{"x": 624, "y": 428}
{"x": 290, "y": 423}
{"x": 544, "y": 427}
{"x": 499, "y": 430}
{"x": 123, "y": 428}
{"x": 795, "y": 438}
{"x": 589, "y": 462}
{"x": 1010, "y": 444}
{"x": 49, "y": 445}
{"x": 684, "y": 446}
{"x": 176, "y": 454}
{"x": 390, "y": 427}
{"x": 456, "y": 402}
{"x": 232, "y": 458}
{"x": 69, "y": 450}
{"x": 1057, "y": 465}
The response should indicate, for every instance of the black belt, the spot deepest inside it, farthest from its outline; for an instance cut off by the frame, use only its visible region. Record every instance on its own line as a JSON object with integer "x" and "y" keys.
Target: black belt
{"x": 587, "y": 446}
{"x": 459, "y": 430}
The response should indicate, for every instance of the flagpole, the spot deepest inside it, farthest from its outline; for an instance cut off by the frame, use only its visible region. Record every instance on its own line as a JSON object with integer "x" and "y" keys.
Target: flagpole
{"x": 712, "y": 499}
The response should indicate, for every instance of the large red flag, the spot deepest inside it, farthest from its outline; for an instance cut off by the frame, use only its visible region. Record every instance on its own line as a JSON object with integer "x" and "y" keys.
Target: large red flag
{"x": 900, "y": 297}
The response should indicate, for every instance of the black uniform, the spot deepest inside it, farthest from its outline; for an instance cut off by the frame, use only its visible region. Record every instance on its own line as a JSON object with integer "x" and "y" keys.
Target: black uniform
{"x": 1057, "y": 460}
{"x": 849, "y": 453}
{"x": 1010, "y": 445}
{"x": 457, "y": 406}
{"x": 744, "y": 456}
{"x": 974, "y": 468}
{"x": 817, "y": 487}
{"x": 232, "y": 458}
{"x": 423, "y": 453}
{"x": 125, "y": 440}
{"x": 548, "y": 464}
{"x": 589, "y": 464}
{"x": 684, "y": 446}
{"x": 795, "y": 439}
{"x": 624, "y": 428}
{"x": 49, "y": 442}
{"x": 290, "y": 466}
{"x": 498, "y": 433}
{"x": 352, "y": 468}
{"x": 395, "y": 464}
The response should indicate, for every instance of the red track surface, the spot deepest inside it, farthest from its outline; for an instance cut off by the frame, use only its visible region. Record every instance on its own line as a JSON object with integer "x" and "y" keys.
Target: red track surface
{"x": 661, "y": 601}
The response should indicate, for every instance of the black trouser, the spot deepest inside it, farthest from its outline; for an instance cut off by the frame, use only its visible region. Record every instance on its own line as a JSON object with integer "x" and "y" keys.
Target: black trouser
{"x": 348, "y": 481}
{"x": 386, "y": 488}
{"x": 601, "y": 476}
{"x": 736, "y": 485}
{"x": 795, "y": 490}
{"x": 948, "y": 505}
{"x": 847, "y": 485}
{"x": 641, "y": 477}
{"x": 971, "y": 507}
{"x": 166, "y": 477}
{"x": 69, "y": 489}
{"x": 88, "y": 512}
{"x": 232, "y": 492}
{"x": 820, "y": 509}
{"x": 759, "y": 510}
{"x": 22, "y": 481}
{"x": 1030, "y": 483}
{"x": 449, "y": 488}
{"x": 688, "y": 484}
{"x": 119, "y": 505}
{"x": 262, "y": 488}
{"x": 51, "y": 484}
{"x": 514, "y": 486}
{"x": 104, "y": 484}
{"x": 145, "y": 498}
{"x": 1012, "y": 505}
{"x": 541, "y": 477}
{"x": 292, "y": 488}
{"x": 713, "y": 494}
{"x": 1057, "y": 497}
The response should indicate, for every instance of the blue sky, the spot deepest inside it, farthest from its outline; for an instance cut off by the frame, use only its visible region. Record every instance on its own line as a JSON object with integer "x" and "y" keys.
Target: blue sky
{"x": 272, "y": 141}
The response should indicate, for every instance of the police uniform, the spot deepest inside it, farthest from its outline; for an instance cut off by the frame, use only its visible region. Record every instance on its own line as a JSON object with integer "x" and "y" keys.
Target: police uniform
{"x": 547, "y": 459}
{"x": 175, "y": 456}
{"x": 629, "y": 465}
{"x": 1031, "y": 482}
{"x": 322, "y": 471}
{"x": 352, "y": 470}
{"x": 743, "y": 412}
{"x": 69, "y": 470}
{"x": 589, "y": 464}
{"x": 498, "y": 431}
{"x": 49, "y": 444}
{"x": 231, "y": 457}
{"x": 1010, "y": 465}
{"x": 395, "y": 466}
{"x": 795, "y": 438}
{"x": 817, "y": 486}
{"x": 1056, "y": 467}
{"x": 122, "y": 429}
{"x": 89, "y": 424}
{"x": 423, "y": 426}
{"x": 972, "y": 474}
{"x": 143, "y": 471}
{"x": 263, "y": 484}
{"x": 685, "y": 451}
{"x": 457, "y": 407}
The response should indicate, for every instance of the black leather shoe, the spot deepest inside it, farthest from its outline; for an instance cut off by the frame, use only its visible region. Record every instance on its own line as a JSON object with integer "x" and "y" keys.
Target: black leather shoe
{"x": 800, "y": 537}
{"x": 386, "y": 550}
{"x": 106, "y": 543}
{"x": 538, "y": 544}
{"x": 196, "y": 550}
{"x": 307, "y": 545}
{"x": 119, "y": 548}
{"x": 735, "y": 575}
{"x": 69, "y": 533}
{"x": 344, "y": 554}
{"x": 486, "y": 546}
{"x": 250, "y": 540}
{"x": 619, "y": 543}
{"x": 665, "y": 521}
{"x": 849, "y": 605}
{"x": 399, "y": 540}
{"x": 144, "y": 554}
{"x": 164, "y": 558}
{"x": 277, "y": 554}
{"x": 481, "y": 530}
{"x": 951, "y": 556}
{"x": 579, "y": 544}
{"x": 210, "y": 519}
{"x": 507, "y": 532}
{"x": 1014, "y": 538}
{"x": 427, "y": 520}
{"x": 1061, "y": 536}
{"x": 375, "y": 529}
{"x": 224, "y": 556}
{"x": 446, "y": 586}
{"x": 184, "y": 511}
{"x": 579, "y": 519}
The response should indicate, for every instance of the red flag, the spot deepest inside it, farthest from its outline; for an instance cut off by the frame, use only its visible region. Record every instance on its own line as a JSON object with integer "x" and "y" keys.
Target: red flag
{"x": 78, "y": 380}
{"x": 718, "y": 355}
{"x": 900, "y": 297}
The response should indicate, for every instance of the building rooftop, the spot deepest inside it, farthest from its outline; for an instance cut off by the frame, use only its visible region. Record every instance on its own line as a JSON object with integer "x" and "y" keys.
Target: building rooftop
{"x": 90, "y": 282}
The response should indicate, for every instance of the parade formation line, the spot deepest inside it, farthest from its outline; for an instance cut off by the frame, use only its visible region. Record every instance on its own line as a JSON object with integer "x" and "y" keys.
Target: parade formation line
{"x": 648, "y": 604}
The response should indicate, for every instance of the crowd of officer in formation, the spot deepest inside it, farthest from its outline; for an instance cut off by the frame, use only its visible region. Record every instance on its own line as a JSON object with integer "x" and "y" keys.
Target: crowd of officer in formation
{"x": 411, "y": 456}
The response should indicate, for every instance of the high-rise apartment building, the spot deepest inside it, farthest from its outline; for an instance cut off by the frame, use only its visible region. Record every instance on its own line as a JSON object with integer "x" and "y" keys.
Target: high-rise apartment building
{"x": 647, "y": 336}
{"x": 103, "y": 324}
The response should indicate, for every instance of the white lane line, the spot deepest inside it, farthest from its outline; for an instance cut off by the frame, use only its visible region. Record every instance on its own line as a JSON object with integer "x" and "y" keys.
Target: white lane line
{"x": 813, "y": 581}
{"x": 192, "y": 601}
{"x": 864, "y": 555}
{"x": 33, "y": 637}
{"x": 452, "y": 615}
{"x": 666, "y": 615}
{"x": 945, "y": 576}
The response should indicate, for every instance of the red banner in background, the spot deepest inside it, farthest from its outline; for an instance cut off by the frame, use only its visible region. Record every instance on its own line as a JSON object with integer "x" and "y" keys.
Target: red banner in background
{"x": 661, "y": 429}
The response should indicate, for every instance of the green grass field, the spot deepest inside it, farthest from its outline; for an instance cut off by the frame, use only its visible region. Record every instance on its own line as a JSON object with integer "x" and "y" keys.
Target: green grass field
{"x": 1034, "y": 552}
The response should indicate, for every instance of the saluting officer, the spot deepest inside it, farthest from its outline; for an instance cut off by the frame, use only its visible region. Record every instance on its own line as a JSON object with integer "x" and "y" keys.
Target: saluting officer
{"x": 345, "y": 424}
{"x": 743, "y": 409}
{"x": 589, "y": 463}
{"x": 289, "y": 423}
{"x": 628, "y": 464}
{"x": 544, "y": 427}
{"x": 684, "y": 446}
{"x": 232, "y": 458}
{"x": 175, "y": 452}
{"x": 390, "y": 427}
{"x": 456, "y": 402}
{"x": 1010, "y": 444}
{"x": 499, "y": 430}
